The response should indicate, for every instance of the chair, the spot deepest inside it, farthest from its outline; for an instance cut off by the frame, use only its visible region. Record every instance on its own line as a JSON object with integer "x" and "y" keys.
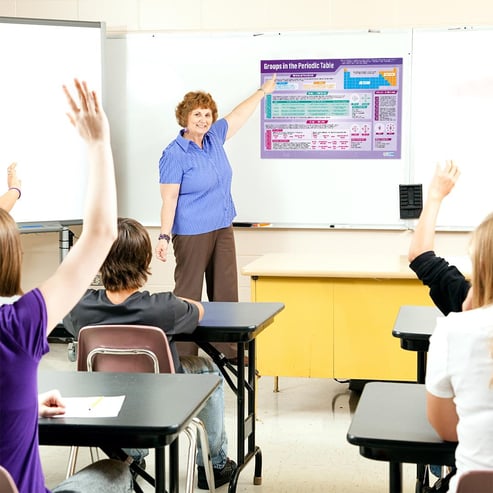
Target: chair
{"x": 475, "y": 482}
{"x": 7, "y": 484}
{"x": 137, "y": 349}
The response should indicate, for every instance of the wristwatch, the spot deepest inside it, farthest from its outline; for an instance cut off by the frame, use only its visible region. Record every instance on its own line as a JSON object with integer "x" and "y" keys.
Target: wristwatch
{"x": 164, "y": 236}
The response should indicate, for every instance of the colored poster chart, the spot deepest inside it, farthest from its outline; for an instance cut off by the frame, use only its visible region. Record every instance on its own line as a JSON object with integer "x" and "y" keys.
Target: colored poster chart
{"x": 333, "y": 108}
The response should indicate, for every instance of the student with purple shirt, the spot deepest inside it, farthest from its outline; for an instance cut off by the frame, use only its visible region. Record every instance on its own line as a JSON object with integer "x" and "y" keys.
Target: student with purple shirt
{"x": 26, "y": 322}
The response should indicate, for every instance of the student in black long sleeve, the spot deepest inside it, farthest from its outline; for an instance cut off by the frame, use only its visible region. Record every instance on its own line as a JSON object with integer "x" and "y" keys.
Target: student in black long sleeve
{"x": 449, "y": 288}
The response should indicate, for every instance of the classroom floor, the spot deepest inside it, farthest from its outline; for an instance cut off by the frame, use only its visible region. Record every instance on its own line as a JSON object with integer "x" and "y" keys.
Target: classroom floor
{"x": 301, "y": 431}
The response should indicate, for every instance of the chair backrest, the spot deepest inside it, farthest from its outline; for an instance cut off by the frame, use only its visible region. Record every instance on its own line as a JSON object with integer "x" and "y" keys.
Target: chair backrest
{"x": 475, "y": 482}
{"x": 124, "y": 348}
{"x": 7, "y": 484}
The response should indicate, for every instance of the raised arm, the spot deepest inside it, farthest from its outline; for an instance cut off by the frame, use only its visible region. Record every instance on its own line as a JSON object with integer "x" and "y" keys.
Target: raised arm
{"x": 240, "y": 114}
{"x": 13, "y": 193}
{"x": 69, "y": 282}
{"x": 443, "y": 181}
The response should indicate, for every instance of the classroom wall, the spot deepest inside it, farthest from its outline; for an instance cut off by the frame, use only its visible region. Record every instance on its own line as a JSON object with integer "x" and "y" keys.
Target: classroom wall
{"x": 41, "y": 253}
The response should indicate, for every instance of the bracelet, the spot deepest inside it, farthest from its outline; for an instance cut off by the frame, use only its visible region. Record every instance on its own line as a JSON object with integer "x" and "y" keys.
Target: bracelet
{"x": 18, "y": 190}
{"x": 260, "y": 89}
{"x": 164, "y": 236}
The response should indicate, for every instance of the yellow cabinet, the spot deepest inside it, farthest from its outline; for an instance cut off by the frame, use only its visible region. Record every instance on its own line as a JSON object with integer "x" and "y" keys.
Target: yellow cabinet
{"x": 300, "y": 342}
{"x": 337, "y": 323}
{"x": 364, "y": 315}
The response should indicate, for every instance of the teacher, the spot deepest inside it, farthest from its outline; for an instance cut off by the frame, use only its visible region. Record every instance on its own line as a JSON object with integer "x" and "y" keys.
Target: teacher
{"x": 197, "y": 208}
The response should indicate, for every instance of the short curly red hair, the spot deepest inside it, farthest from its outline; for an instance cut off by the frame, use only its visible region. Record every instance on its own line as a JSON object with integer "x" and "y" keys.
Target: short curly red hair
{"x": 192, "y": 101}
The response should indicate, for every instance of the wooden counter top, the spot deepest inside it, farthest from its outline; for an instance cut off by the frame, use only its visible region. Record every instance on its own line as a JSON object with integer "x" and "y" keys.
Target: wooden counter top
{"x": 342, "y": 266}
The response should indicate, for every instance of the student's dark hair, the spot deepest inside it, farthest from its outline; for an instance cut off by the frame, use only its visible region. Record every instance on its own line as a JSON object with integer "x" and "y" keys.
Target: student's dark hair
{"x": 127, "y": 264}
{"x": 192, "y": 101}
{"x": 10, "y": 256}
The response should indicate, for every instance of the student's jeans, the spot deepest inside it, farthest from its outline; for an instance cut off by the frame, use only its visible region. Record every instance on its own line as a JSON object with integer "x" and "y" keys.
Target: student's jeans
{"x": 212, "y": 415}
{"x": 110, "y": 476}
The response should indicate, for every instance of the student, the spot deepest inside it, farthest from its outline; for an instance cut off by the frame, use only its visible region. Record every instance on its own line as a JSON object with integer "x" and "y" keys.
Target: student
{"x": 197, "y": 207}
{"x": 123, "y": 273}
{"x": 25, "y": 323}
{"x": 459, "y": 376}
{"x": 448, "y": 286}
{"x": 13, "y": 193}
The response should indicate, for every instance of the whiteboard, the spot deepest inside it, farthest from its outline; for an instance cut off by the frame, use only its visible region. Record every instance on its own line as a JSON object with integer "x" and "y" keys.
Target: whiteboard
{"x": 38, "y": 57}
{"x": 148, "y": 74}
{"x": 452, "y": 109}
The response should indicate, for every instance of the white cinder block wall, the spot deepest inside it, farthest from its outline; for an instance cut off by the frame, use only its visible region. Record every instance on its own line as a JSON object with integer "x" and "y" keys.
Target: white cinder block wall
{"x": 41, "y": 254}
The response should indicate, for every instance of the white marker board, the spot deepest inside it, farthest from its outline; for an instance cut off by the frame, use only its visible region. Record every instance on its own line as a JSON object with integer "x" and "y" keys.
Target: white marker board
{"x": 148, "y": 74}
{"x": 452, "y": 118}
{"x": 38, "y": 57}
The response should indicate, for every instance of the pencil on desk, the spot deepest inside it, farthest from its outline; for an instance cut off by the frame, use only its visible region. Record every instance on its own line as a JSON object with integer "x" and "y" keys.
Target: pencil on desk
{"x": 96, "y": 402}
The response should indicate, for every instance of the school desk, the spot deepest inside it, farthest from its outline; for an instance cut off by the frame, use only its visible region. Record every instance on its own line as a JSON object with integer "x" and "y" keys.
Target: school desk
{"x": 390, "y": 424}
{"x": 238, "y": 323}
{"x": 340, "y": 310}
{"x": 156, "y": 409}
{"x": 414, "y": 326}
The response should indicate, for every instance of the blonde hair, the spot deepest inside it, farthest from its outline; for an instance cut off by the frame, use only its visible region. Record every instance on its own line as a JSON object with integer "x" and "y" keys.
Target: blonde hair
{"x": 482, "y": 263}
{"x": 482, "y": 268}
{"x": 10, "y": 256}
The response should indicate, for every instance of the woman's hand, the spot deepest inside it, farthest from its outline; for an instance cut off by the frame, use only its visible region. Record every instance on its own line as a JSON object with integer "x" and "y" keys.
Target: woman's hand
{"x": 50, "y": 404}
{"x": 162, "y": 250}
{"x": 269, "y": 86}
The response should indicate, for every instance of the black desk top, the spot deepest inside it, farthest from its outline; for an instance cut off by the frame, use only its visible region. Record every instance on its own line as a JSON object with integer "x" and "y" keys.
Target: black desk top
{"x": 156, "y": 409}
{"x": 232, "y": 321}
{"x": 390, "y": 424}
{"x": 414, "y": 325}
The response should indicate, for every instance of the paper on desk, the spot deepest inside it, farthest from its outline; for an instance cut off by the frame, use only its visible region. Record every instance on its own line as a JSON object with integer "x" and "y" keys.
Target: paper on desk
{"x": 97, "y": 406}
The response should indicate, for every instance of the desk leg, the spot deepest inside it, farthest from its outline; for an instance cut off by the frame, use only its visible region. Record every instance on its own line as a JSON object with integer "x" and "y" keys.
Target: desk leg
{"x": 240, "y": 404}
{"x": 160, "y": 486}
{"x": 276, "y": 384}
{"x": 174, "y": 480}
{"x": 421, "y": 366}
{"x": 420, "y": 477}
{"x": 245, "y": 390}
{"x": 395, "y": 477}
{"x": 252, "y": 410}
{"x": 420, "y": 471}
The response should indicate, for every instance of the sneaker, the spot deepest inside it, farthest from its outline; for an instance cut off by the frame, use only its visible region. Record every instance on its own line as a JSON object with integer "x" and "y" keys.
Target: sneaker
{"x": 221, "y": 476}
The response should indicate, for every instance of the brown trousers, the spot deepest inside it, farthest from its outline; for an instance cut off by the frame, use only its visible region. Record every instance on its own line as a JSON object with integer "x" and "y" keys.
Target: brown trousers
{"x": 213, "y": 256}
